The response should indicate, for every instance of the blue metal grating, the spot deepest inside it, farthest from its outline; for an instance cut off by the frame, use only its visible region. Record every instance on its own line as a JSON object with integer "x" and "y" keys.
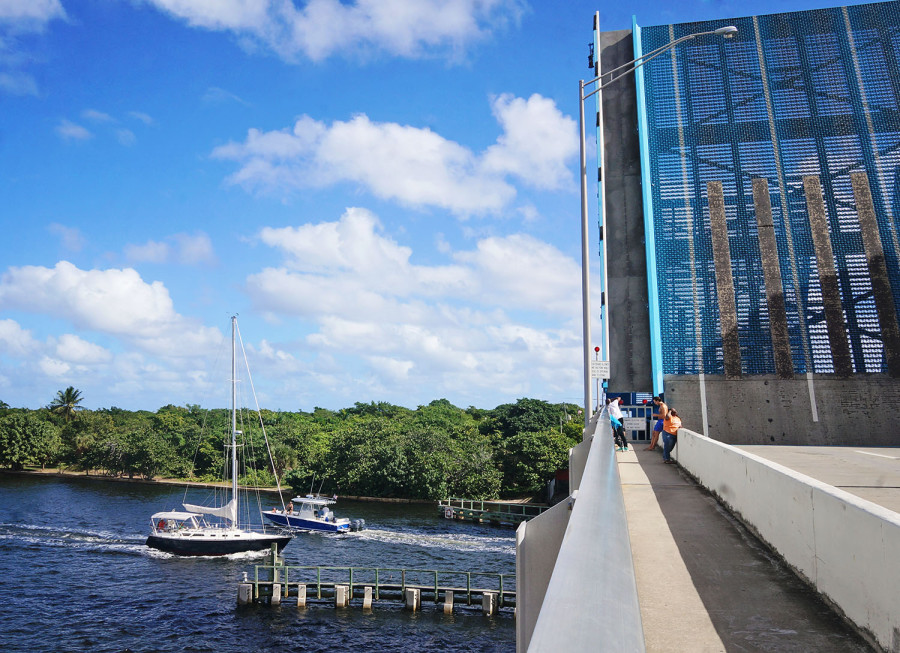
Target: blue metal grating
{"x": 805, "y": 93}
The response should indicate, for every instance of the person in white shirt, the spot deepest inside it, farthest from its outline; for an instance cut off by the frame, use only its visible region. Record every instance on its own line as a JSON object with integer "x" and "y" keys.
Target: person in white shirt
{"x": 618, "y": 431}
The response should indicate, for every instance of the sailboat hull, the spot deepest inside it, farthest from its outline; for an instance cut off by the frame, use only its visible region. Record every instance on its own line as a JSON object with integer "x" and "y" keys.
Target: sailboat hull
{"x": 204, "y": 544}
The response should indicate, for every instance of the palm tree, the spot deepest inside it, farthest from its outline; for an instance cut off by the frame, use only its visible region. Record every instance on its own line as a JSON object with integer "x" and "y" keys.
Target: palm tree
{"x": 66, "y": 402}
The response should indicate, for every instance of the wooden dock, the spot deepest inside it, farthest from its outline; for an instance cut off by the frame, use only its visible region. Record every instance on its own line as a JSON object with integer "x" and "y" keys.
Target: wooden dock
{"x": 499, "y": 513}
{"x": 277, "y": 583}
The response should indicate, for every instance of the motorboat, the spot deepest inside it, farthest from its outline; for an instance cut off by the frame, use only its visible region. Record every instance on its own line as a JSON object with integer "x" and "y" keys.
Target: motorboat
{"x": 312, "y": 513}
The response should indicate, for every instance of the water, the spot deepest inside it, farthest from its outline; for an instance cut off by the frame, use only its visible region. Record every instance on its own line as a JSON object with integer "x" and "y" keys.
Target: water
{"x": 76, "y": 576}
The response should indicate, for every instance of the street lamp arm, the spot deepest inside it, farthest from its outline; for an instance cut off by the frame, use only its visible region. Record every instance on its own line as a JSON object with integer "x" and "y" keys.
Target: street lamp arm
{"x": 633, "y": 65}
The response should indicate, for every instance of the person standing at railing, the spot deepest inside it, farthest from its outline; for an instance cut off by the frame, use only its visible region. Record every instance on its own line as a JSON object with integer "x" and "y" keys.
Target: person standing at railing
{"x": 661, "y": 411}
{"x": 670, "y": 435}
{"x": 615, "y": 413}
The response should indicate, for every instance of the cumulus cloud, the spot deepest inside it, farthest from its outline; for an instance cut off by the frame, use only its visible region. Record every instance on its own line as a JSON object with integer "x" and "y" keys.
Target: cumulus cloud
{"x": 72, "y": 349}
{"x": 320, "y": 28}
{"x": 182, "y": 248}
{"x": 115, "y": 302}
{"x": 15, "y": 340}
{"x": 537, "y": 141}
{"x": 489, "y": 313}
{"x": 412, "y": 165}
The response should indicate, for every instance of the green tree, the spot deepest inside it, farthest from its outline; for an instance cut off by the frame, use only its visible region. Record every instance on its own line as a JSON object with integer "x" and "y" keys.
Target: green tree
{"x": 67, "y": 403}
{"x": 529, "y": 459}
{"x": 148, "y": 453}
{"x": 26, "y": 439}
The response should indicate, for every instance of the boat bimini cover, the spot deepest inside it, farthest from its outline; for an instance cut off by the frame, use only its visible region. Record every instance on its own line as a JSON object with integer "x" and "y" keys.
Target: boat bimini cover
{"x": 174, "y": 516}
{"x": 228, "y": 511}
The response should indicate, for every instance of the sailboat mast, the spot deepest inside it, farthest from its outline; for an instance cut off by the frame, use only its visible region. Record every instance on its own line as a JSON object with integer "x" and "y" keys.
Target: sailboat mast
{"x": 234, "y": 465}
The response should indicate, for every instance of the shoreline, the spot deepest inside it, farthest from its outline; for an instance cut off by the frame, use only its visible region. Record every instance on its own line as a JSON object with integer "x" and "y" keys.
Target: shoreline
{"x": 52, "y": 472}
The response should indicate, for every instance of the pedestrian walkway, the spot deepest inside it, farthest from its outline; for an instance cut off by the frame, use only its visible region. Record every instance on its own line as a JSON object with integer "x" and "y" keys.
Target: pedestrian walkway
{"x": 705, "y": 583}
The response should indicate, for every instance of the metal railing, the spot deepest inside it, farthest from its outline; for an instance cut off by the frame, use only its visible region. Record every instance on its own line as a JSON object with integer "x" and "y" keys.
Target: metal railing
{"x": 498, "y": 507}
{"x": 387, "y": 579}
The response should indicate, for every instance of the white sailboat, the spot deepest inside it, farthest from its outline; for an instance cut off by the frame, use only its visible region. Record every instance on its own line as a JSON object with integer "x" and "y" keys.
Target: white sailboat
{"x": 214, "y": 531}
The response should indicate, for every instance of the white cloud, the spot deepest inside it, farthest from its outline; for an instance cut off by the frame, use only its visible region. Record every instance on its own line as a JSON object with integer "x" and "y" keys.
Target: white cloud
{"x": 500, "y": 313}
{"x": 216, "y": 95}
{"x": 30, "y": 14}
{"x": 53, "y": 367}
{"x": 19, "y": 17}
{"x": 114, "y": 302}
{"x": 15, "y": 340}
{"x": 182, "y": 248}
{"x": 194, "y": 249}
{"x": 414, "y": 166}
{"x": 149, "y": 252}
{"x": 72, "y": 349}
{"x": 71, "y": 131}
{"x": 126, "y": 137}
{"x": 537, "y": 141}
{"x": 96, "y": 116}
{"x": 18, "y": 83}
{"x": 143, "y": 117}
{"x": 320, "y": 28}
{"x": 70, "y": 237}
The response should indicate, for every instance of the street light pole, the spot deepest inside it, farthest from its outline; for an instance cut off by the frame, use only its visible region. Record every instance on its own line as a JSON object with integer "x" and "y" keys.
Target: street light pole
{"x": 613, "y": 75}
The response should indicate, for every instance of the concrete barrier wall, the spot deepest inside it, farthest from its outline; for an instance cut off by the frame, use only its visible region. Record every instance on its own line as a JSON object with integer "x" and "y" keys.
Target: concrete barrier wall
{"x": 588, "y": 603}
{"x": 844, "y": 546}
{"x": 759, "y": 409}
{"x": 537, "y": 547}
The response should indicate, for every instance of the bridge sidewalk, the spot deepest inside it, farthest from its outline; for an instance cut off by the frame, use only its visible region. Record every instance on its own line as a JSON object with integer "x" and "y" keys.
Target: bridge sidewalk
{"x": 705, "y": 583}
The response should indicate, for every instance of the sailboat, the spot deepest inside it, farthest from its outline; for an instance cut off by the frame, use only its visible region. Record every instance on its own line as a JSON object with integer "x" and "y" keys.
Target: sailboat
{"x": 214, "y": 531}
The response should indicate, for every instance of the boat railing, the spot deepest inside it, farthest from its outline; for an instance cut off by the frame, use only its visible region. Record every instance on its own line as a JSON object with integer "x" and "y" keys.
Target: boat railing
{"x": 389, "y": 579}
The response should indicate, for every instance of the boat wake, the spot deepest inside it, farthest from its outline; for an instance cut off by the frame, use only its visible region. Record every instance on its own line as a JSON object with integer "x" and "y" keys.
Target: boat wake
{"x": 32, "y": 536}
{"x": 451, "y": 541}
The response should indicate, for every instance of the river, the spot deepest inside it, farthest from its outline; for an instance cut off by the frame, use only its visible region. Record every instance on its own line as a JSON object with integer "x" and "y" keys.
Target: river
{"x": 76, "y": 576}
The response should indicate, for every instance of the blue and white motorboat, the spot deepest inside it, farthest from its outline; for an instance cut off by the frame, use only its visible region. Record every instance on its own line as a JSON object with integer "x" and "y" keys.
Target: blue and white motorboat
{"x": 312, "y": 513}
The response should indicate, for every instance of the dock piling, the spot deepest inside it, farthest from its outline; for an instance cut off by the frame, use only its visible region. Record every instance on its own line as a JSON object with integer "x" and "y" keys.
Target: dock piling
{"x": 245, "y": 593}
{"x": 448, "y": 602}
{"x": 301, "y": 595}
{"x": 489, "y": 603}
{"x": 413, "y": 598}
{"x": 367, "y": 598}
{"x": 341, "y": 596}
{"x": 276, "y": 594}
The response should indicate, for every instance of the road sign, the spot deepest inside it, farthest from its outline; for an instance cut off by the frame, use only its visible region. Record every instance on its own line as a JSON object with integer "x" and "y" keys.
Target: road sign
{"x": 599, "y": 369}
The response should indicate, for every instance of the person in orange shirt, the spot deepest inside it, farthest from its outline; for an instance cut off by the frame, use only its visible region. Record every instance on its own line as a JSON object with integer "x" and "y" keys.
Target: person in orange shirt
{"x": 670, "y": 434}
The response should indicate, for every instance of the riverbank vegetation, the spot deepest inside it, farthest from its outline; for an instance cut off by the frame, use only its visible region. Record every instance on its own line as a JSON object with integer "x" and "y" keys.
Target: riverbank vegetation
{"x": 376, "y": 449}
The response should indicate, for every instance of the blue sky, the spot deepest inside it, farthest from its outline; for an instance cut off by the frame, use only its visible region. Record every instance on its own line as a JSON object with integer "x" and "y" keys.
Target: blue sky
{"x": 384, "y": 191}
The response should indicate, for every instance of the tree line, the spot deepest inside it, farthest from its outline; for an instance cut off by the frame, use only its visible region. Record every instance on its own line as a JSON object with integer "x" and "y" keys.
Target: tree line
{"x": 375, "y": 449}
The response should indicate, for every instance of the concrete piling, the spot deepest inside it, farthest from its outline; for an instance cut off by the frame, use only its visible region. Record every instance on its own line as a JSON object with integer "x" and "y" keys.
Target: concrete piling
{"x": 489, "y": 603}
{"x": 413, "y": 599}
{"x": 245, "y": 593}
{"x": 341, "y": 596}
{"x": 301, "y": 596}
{"x": 448, "y": 602}
{"x": 367, "y": 598}
{"x": 276, "y": 594}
